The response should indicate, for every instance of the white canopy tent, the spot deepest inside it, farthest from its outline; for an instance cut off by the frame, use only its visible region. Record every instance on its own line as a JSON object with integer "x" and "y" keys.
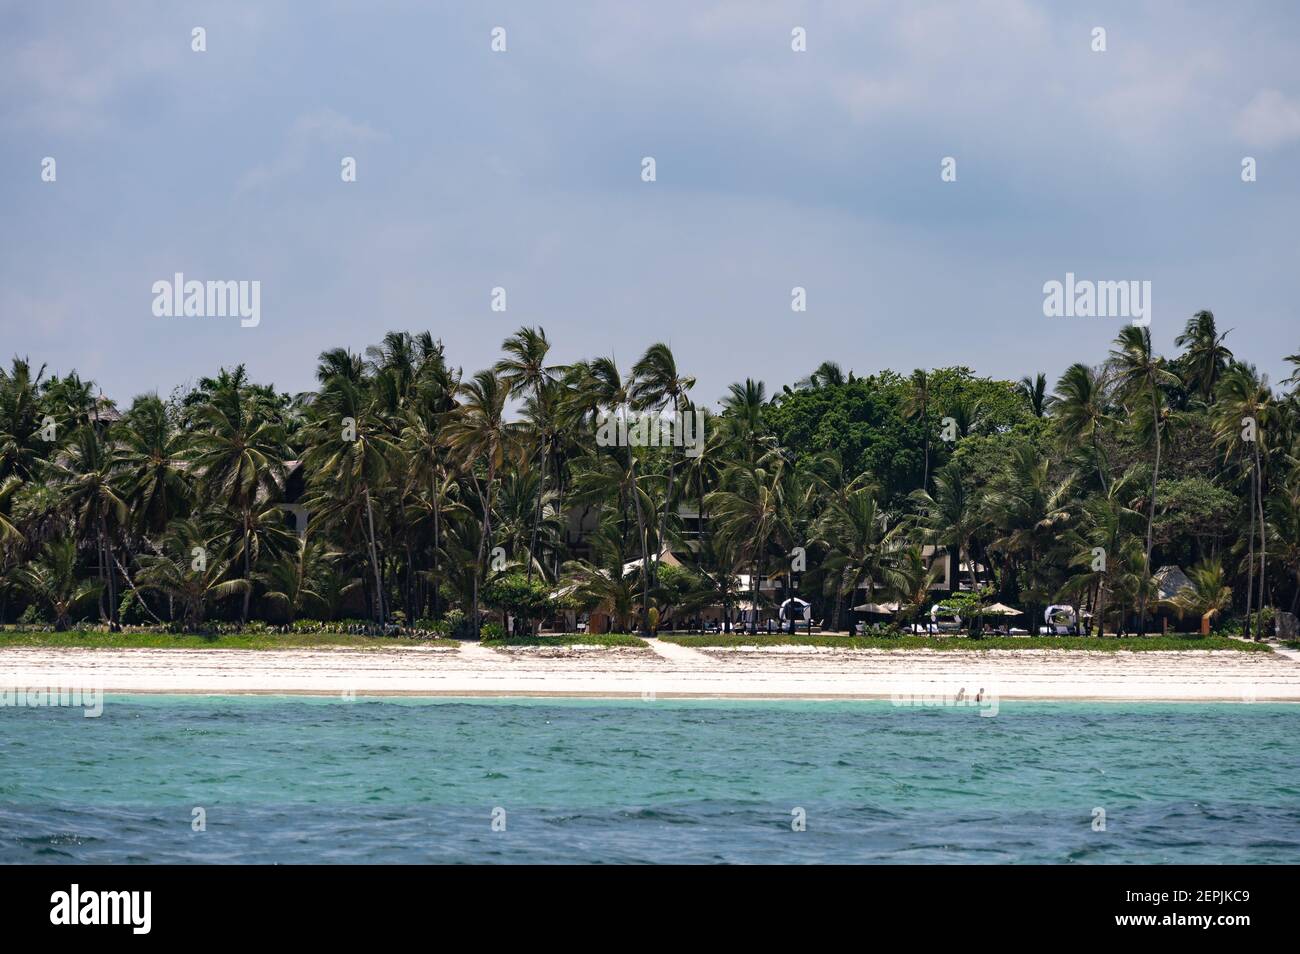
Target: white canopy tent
{"x": 794, "y": 610}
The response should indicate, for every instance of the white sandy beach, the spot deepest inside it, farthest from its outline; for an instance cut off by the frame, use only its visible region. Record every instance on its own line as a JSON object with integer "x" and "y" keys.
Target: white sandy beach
{"x": 669, "y": 671}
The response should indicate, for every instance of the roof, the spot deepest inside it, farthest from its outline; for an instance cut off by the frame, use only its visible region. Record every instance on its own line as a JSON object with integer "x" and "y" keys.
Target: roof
{"x": 666, "y": 557}
{"x": 1169, "y": 580}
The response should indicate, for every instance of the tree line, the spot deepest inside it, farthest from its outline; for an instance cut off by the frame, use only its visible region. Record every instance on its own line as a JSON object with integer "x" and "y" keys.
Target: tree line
{"x": 435, "y": 494}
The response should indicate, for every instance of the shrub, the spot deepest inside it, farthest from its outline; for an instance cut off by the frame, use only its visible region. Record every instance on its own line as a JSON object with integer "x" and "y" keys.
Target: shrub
{"x": 517, "y": 595}
{"x": 456, "y": 623}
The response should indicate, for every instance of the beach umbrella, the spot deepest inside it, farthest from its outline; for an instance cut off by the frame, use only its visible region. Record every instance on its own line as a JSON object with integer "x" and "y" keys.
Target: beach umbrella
{"x": 876, "y": 608}
{"x": 1000, "y": 609}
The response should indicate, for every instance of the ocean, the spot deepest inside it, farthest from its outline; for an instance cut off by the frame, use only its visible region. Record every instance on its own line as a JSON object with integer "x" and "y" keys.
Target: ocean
{"x": 258, "y": 779}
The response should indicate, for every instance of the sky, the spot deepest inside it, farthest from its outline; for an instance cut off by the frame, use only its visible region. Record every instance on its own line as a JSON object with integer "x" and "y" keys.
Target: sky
{"x": 522, "y": 169}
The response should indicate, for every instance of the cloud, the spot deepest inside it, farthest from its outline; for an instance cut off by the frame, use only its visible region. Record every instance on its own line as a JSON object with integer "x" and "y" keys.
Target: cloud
{"x": 57, "y": 86}
{"x": 1269, "y": 119}
{"x": 309, "y": 132}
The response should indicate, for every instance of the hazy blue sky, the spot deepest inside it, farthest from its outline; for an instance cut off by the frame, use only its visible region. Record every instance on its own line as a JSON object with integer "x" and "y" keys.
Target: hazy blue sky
{"x": 522, "y": 169}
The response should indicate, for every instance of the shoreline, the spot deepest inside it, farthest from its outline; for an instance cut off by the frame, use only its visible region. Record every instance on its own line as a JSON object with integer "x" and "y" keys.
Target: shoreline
{"x": 475, "y": 695}
{"x": 667, "y": 671}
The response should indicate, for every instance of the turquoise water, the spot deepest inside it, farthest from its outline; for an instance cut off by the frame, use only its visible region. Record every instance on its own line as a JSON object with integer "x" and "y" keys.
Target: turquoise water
{"x": 382, "y": 780}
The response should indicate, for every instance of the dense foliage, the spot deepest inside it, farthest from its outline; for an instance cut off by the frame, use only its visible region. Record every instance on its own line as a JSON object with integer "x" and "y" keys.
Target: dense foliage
{"x": 433, "y": 495}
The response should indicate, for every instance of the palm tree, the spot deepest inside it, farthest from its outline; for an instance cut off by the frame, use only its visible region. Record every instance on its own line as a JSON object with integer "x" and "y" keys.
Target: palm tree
{"x": 340, "y": 363}
{"x": 660, "y": 387}
{"x": 909, "y": 580}
{"x": 1295, "y": 375}
{"x": 1206, "y": 357}
{"x": 431, "y": 476}
{"x": 601, "y": 585}
{"x": 23, "y": 447}
{"x": 479, "y": 433}
{"x": 606, "y": 477}
{"x": 828, "y": 375}
{"x": 1078, "y": 407}
{"x": 1243, "y": 411}
{"x": 857, "y": 533}
{"x": 8, "y": 487}
{"x": 294, "y": 579}
{"x": 515, "y": 523}
{"x": 89, "y": 481}
{"x": 1283, "y": 531}
{"x": 1141, "y": 374}
{"x": 150, "y": 454}
{"x": 525, "y": 372}
{"x": 916, "y": 406}
{"x": 1105, "y": 525}
{"x": 263, "y": 530}
{"x": 616, "y": 595}
{"x": 1206, "y": 597}
{"x": 239, "y": 454}
{"x": 191, "y": 570}
{"x": 611, "y": 393}
{"x": 743, "y": 412}
{"x": 397, "y": 358}
{"x": 952, "y": 515}
{"x": 1030, "y": 511}
{"x": 1034, "y": 391}
{"x": 747, "y": 510}
{"x": 349, "y": 448}
{"x": 52, "y": 580}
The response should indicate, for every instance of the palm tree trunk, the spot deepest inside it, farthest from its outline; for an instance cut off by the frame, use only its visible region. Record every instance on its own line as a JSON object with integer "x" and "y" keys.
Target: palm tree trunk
{"x": 108, "y": 568}
{"x": 409, "y": 585}
{"x": 248, "y": 593}
{"x": 559, "y": 504}
{"x": 1250, "y": 561}
{"x": 484, "y": 534}
{"x": 645, "y": 561}
{"x": 753, "y": 596}
{"x": 1096, "y": 453}
{"x": 374, "y": 555}
{"x": 1151, "y": 512}
{"x": 668, "y": 497}
{"x": 103, "y": 583}
{"x": 644, "y": 625}
{"x": 437, "y": 510}
{"x": 1263, "y": 527}
{"x": 1101, "y": 608}
{"x": 925, "y": 422}
{"x": 537, "y": 516}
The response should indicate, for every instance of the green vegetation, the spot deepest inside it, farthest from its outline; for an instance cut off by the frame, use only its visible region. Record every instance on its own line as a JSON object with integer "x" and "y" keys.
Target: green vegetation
{"x": 569, "y": 639}
{"x": 84, "y": 639}
{"x": 449, "y": 502}
{"x": 1108, "y": 644}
